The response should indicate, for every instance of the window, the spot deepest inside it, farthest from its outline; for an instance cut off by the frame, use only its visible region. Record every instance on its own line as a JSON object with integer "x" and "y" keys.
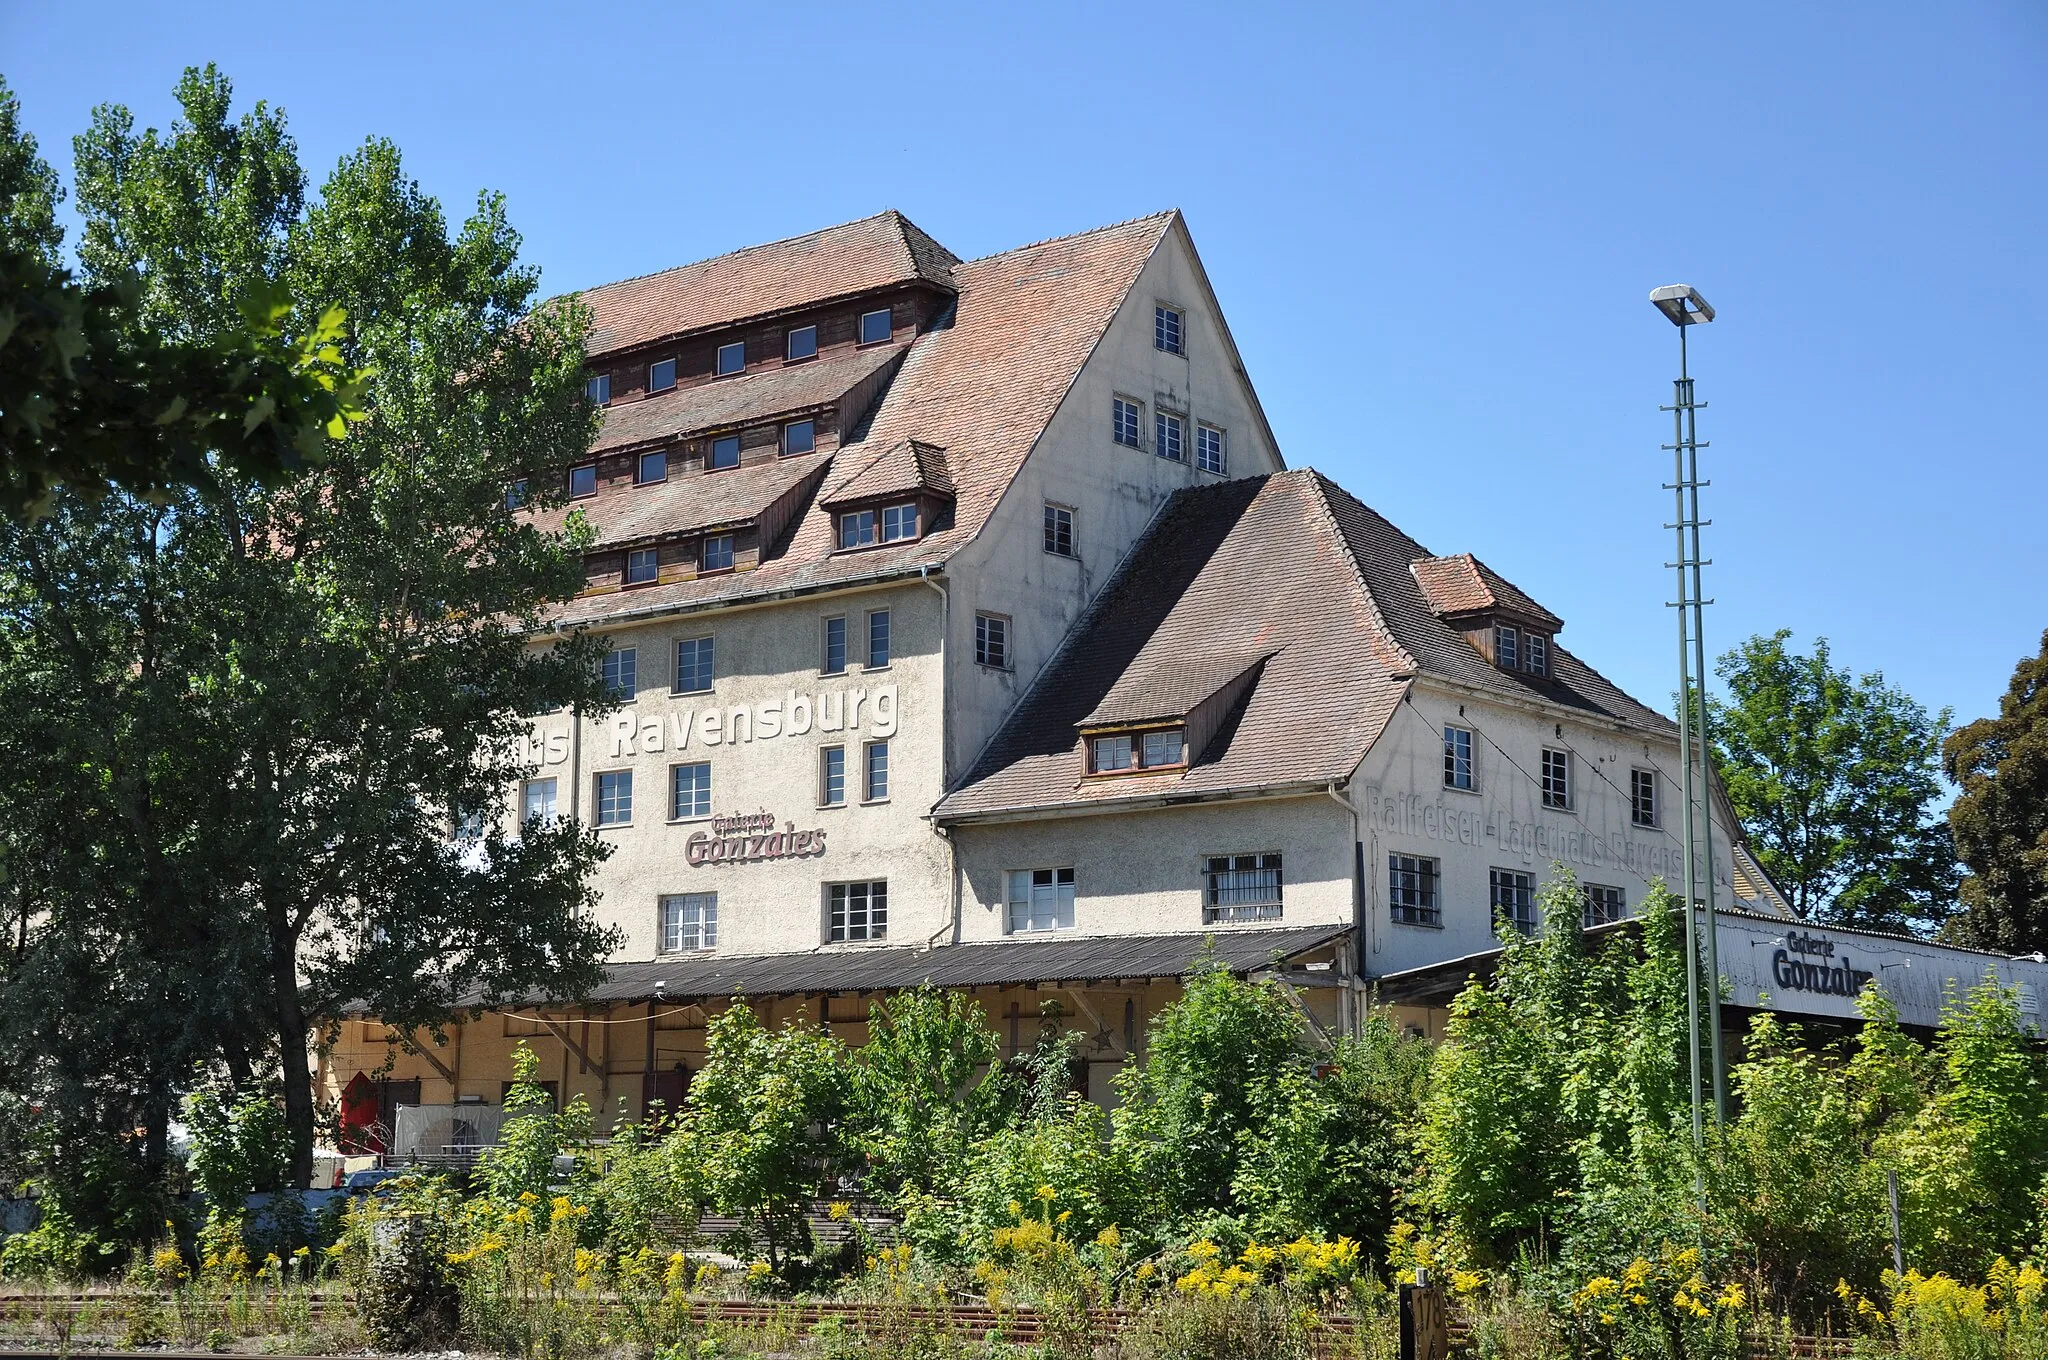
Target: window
{"x": 1108, "y": 754}
{"x": 1411, "y": 890}
{"x": 725, "y": 453}
{"x": 615, "y": 798}
{"x": 1536, "y": 653}
{"x": 799, "y": 436}
{"x": 689, "y": 921}
{"x": 1165, "y": 748}
{"x": 515, "y": 494}
{"x": 898, "y": 523}
{"x": 832, "y": 776}
{"x": 662, "y": 376}
{"x": 717, "y": 554}
{"x": 689, "y": 791}
{"x": 1209, "y": 449}
{"x": 583, "y": 480}
{"x": 1059, "y": 530}
{"x": 653, "y": 467}
{"x": 1642, "y": 797}
{"x": 1504, "y": 648}
{"x": 537, "y": 800}
{"x": 1171, "y": 432}
{"x": 1241, "y": 888}
{"x": 1557, "y": 778}
{"x": 875, "y": 784}
{"x": 833, "y": 662}
{"x": 1160, "y": 748}
{"x": 1124, "y": 418}
{"x": 1514, "y": 899}
{"x": 732, "y": 358}
{"x": 1603, "y": 904}
{"x": 803, "y": 343}
{"x": 992, "y": 641}
{"x": 1457, "y": 758}
{"x": 1166, "y": 330}
{"x": 693, "y": 666}
{"x": 1041, "y": 899}
{"x": 469, "y": 826}
{"x": 599, "y": 390}
{"x": 619, "y": 672}
{"x": 642, "y": 566}
{"x": 859, "y": 911}
{"x": 878, "y": 639}
{"x": 876, "y": 327}
{"x": 857, "y": 529}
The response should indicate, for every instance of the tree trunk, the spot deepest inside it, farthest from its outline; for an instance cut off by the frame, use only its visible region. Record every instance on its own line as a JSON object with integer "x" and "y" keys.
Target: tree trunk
{"x": 291, "y": 1048}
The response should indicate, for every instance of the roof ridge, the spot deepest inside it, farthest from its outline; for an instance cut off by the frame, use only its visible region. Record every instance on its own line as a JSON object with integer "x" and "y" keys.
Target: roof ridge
{"x": 1323, "y": 486}
{"x": 1163, "y": 215}
{"x": 761, "y": 245}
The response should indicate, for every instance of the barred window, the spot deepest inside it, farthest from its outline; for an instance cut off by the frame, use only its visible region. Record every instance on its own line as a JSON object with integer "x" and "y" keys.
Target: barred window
{"x": 857, "y": 911}
{"x": 1124, "y": 418}
{"x": 689, "y": 790}
{"x": 693, "y": 665}
{"x": 1241, "y": 888}
{"x": 1457, "y": 758}
{"x": 1557, "y": 778}
{"x": 615, "y": 798}
{"x": 1603, "y": 904}
{"x": 1172, "y": 437}
{"x": 619, "y": 673}
{"x": 1642, "y": 797}
{"x": 1041, "y": 899}
{"x": 1166, "y": 324}
{"x": 689, "y": 921}
{"x": 1411, "y": 890}
{"x": 1209, "y": 448}
{"x": 1514, "y": 898}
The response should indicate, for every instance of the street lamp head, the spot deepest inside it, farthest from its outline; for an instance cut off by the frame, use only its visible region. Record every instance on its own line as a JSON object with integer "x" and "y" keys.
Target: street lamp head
{"x": 1682, "y": 304}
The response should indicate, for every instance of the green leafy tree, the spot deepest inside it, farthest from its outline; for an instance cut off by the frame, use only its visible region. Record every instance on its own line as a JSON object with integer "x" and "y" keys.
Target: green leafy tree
{"x": 522, "y": 1161}
{"x": 1834, "y": 778}
{"x": 2000, "y": 817}
{"x": 927, "y": 1088}
{"x": 240, "y": 1145}
{"x": 29, "y": 189}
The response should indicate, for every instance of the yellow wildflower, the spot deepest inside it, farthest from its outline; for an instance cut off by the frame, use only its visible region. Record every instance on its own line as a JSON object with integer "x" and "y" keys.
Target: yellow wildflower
{"x": 840, "y": 1211}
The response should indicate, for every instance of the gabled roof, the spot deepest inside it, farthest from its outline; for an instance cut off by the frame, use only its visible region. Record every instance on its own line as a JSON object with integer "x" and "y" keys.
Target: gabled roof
{"x": 1465, "y": 585}
{"x": 1288, "y": 567}
{"x": 902, "y": 469}
{"x": 802, "y": 271}
{"x": 759, "y": 396}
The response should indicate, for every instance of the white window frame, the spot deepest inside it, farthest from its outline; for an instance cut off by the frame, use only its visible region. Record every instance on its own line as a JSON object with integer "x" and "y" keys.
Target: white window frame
{"x": 888, "y": 639}
{"x": 899, "y": 523}
{"x": 1556, "y": 778}
{"x": 619, "y": 672}
{"x": 718, "y": 367}
{"x": 598, "y": 388}
{"x": 550, "y": 797}
{"x": 874, "y": 911}
{"x": 1415, "y": 890}
{"x": 640, "y": 477}
{"x": 1059, "y": 524}
{"x": 825, "y": 776}
{"x": 706, "y": 648}
{"x": 1642, "y": 811}
{"x": 1506, "y": 652}
{"x": 1604, "y": 904}
{"x": 636, "y": 560}
{"x": 1170, "y": 432}
{"x": 675, "y": 812}
{"x": 992, "y": 641}
{"x": 812, "y": 447}
{"x": 789, "y": 344}
{"x": 597, "y": 801}
{"x": 861, "y": 333}
{"x": 874, "y": 772}
{"x": 515, "y": 494}
{"x": 1208, "y": 460}
{"x": 1536, "y": 653}
{"x": 676, "y": 934}
{"x": 711, "y": 463}
{"x": 1038, "y": 900}
{"x": 857, "y": 529}
{"x": 576, "y": 495}
{"x": 654, "y": 384}
{"x": 1219, "y": 882}
{"x": 715, "y": 545}
{"x": 825, "y": 666}
{"x": 1122, "y": 408}
{"x": 1456, "y": 762}
{"x": 1169, "y": 323}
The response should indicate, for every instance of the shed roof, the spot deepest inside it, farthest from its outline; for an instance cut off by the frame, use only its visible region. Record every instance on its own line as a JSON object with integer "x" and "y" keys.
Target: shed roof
{"x": 762, "y": 395}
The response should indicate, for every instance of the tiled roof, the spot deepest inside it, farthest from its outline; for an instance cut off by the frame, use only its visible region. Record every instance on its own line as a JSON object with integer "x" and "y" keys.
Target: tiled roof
{"x": 902, "y": 468}
{"x": 1465, "y": 585}
{"x": 690, "y": 501}
{"x": 982, "y": 385}
{"x": 840, "y": 261}
{"x": 761, "y": 395}
{"x": 1287, "y": 566}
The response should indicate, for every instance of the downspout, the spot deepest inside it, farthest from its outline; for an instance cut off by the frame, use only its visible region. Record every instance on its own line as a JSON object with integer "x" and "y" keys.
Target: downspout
{"x": 924, "y": 576}
{"x": 575, "y": 761}
{"x": 1359, "y": 920}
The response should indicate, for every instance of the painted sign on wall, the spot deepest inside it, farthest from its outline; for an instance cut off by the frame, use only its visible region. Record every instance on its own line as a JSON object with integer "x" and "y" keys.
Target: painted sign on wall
{"x": 747, "y": 837}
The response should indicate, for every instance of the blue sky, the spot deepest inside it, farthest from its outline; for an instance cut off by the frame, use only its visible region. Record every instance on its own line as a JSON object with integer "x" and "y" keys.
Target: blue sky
{"x": 1432, "y": 227}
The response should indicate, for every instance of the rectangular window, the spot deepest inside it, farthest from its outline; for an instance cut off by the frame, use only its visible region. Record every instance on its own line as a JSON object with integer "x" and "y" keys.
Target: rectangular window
{"x": 689, "y": 921}
{"x": 1209, "y": 449}
{"x": 1166, "y": 329}
{"x": 615, "y": 798}
{"x": 1059, "y": 530}
{"x": 875, "y": 783}
{"x": 1642, "y": 797}
{"x": 992, "y": 641}
{"x": 732, "y": 358}
{"x": 662, "y": 376}
{"x": 799, "y": 436}
{"x": 1124, "y": 418}
{"x": 1557, "y": 778}
{"x": 653, "y": 467}
{"x": 1165, "y": 748}
{"x": 1504, "y": 648}
{"x": 1514, "y": 899}
{"x": 1457, "y": 758}
{"x": 898, "y": 523}
{"x": 1041, "y": 899}
{"x": 599, "y": 389}
{"x": 857, "y": 529}
{"x": 1536, "y": 653}
{"x": 833, "y": 661}
{"x": 1241, "y": 888}
{"x": 689, "y": 791}
{"x": 803, "y": 343}
{"x": 832, "y": 776}
{"x": 619, "y": 672}
{"x": 1171, "y": 431}
{"x": 1411, "y": 890}
{"x": 642, "y": 566}
{"x": 725, "y": 453}
{"x": 1603, "y": 904}
{"x": 876, "y": 327}
{"x": 878, "y": 639}
{"x": 537, "y": 800}
{"x": 717, "y": 553}
{"x": 583, "y": 480}
{"x": 1109, "y": 754}
{"x": 858, "y": 911}
{"x": 693, "y": 666}
{"x": 515, "y": 494}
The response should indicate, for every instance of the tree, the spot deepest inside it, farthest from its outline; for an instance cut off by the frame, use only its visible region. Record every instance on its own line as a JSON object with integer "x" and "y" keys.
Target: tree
{"x": 927, "y": 1088}
{"x": 1834, "y": 778}
{"x": 2000, "y": 819}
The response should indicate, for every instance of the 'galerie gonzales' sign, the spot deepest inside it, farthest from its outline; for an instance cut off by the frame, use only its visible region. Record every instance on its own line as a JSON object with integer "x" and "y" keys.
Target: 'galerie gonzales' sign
{"x": 744, "y": 837}
{"x": 1807, "y": 963}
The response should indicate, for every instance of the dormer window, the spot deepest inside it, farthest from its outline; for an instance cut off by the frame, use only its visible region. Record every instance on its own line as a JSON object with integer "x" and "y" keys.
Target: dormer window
{"x": 1506, "y": 654}
{"x": 803, "y": 344}
{"x": 599, "y": 390}
{"x": 583, "y": 480}
{"x": 799, "y": 436}
{"x": 641, "y": 567}
{"x": 899, "y": 522}
{"x": 876, "y": 327}
{"x": 865, "y": 528}
{"x": 717, "y": 553}
{"x": 662, "y": 376}
{"x": 1131, "y": 752}
{"x": 732, "y": 358}
{"x": 725, "y": 453}
{"x": 1536, "y": 653}
{"x": 857, "y": 529}
{"x": 515, "y": 495}
{"x": 653, "y": 467}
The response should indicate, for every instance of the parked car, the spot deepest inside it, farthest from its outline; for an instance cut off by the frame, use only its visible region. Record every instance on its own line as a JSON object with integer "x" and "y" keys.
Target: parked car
{"x": 372, "y": 1181}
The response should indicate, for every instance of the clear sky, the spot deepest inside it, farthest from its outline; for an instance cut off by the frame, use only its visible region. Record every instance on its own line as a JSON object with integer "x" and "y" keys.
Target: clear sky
{"x": 1432, "y": 227}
